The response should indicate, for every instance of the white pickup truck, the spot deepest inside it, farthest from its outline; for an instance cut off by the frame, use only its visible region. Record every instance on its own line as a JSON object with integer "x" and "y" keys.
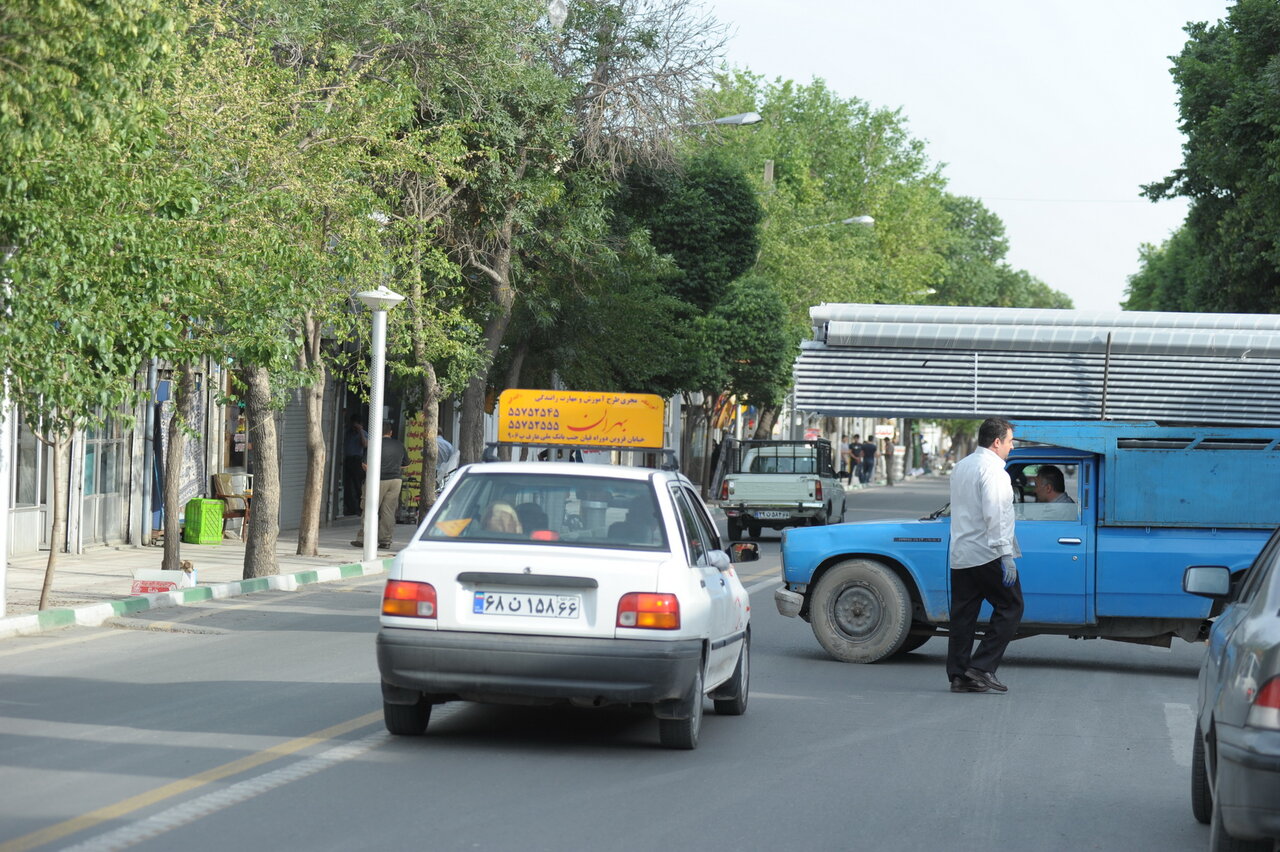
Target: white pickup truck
{"x": 780, "y": 484}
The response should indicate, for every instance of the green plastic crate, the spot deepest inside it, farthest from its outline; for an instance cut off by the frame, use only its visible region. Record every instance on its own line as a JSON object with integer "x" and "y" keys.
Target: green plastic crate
{"x": 203, "y": 522}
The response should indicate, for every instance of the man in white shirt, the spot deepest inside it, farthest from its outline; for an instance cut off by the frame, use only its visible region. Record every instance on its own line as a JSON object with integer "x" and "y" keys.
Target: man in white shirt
{"x": 983, "y": 549}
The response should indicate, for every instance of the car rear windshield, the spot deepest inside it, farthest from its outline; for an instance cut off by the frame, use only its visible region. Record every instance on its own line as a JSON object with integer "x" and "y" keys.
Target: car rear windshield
{"x": 587, "y": 511}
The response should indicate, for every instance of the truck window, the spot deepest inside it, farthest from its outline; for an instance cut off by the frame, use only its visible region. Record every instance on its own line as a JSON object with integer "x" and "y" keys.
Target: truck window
{"x": 1046, "y": 491}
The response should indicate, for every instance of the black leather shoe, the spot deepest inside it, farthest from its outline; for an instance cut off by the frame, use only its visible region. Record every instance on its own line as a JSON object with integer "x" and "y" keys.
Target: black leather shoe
{"x": 964, "y": 684}
{"x": 384, "y": 545}
{"x": 988, "y": 678}
{"x": 357, "y": 544}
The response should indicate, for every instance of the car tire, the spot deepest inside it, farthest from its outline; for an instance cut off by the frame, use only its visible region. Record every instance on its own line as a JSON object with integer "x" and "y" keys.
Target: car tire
{"x": 1220, "y": 841}
{"x": 683, "y": 733}
{"x": 861, "y": 612}
{"x": 735, "y": 529}
{"x": 1201, "y": 795}
{"x": 738, "y": 687}
{"x": 407, "y": 720}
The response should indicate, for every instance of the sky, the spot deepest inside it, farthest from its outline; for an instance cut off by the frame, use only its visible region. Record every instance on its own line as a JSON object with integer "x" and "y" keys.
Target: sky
{"x": 1052, "y": 113}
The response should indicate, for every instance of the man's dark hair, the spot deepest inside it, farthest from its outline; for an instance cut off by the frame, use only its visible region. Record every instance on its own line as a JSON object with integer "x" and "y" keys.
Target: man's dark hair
{"x": 1052, "y": 474}
{"x": 388, "y": 430}
{"x": 992, "y": 430}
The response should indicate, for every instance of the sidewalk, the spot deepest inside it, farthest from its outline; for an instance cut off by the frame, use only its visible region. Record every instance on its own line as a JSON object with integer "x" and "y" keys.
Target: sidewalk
{"x": 93, "y": 586}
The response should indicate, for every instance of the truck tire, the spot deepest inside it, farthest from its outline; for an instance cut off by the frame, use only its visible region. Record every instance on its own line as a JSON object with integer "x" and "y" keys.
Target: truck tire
{"x": 735, "y": 529}
{"x": 860, "y": 612}
{"x": 753, "y": 530}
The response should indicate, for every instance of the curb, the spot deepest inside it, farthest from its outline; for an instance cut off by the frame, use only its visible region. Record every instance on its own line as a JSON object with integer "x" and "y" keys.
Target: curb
{"x": 94, "y": 615}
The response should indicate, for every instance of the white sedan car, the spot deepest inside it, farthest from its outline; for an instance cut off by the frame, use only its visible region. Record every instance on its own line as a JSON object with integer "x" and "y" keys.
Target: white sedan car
{"x": 559, "y": 582}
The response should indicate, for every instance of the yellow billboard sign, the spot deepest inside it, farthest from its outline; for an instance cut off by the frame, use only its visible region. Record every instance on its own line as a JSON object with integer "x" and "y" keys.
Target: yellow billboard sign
{"x": 584, "y": 418}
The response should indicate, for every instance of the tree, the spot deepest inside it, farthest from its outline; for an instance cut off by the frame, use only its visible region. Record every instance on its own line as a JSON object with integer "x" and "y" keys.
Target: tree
{"x": 1226, "y": 76}
{"x": 86, "y": 216}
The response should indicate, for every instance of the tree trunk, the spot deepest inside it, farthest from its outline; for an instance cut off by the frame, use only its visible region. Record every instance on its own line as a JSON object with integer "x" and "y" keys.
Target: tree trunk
{"x": 264, "y": 451}
{"x": 471, "y": 429}
{"x": 317, "y": 456}
{"x": 764, "y": 423}
{"x": 182, "y": 394}
{"x": 58, "y": 522}
{"x": 430, "y": 426}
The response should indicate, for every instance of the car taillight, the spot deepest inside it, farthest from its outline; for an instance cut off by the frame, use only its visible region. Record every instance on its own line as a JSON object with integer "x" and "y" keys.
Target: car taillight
{"x": 649, "y": 610}
{"x": 1265, "y": 712}
{"x": 817, "y": 489}
{"x": 414, "y": 600}
{"x": 724, "y": 490}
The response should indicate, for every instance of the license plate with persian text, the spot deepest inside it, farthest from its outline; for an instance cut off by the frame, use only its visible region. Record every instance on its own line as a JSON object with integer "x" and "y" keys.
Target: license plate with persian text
{"x": 526, "y": 604}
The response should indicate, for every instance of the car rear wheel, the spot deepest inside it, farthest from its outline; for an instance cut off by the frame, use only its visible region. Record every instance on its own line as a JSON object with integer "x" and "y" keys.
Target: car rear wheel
{"x": 1220, "y": 841}
{"x": 407, "y": 720}
{"x": 1201, "y": 796}
{"x": 738, "y": 685}
{"x": 861, "y": 611}
{"x": 683, "y": 733}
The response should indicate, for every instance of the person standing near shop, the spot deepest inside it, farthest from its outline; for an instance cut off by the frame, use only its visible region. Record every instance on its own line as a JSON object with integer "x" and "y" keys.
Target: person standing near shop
{"x": 391, "y": 476}
{"x": 888, "y": 461}
{"x": 983, "y": 550}
{"x": 354, "y": 443}
{"x": 869, "y": 459}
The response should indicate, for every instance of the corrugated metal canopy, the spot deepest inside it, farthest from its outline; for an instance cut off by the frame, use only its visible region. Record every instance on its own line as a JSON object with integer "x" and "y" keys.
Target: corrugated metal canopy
{"x": 912, "y": 361}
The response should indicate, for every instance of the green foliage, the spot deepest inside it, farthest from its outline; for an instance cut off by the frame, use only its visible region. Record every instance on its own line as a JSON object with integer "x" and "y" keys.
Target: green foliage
{"x": 753, "y": 343}
{"x": 1228, "y": 256}
{"x": 70, "y": 67}
{"x": 706, "y": 219}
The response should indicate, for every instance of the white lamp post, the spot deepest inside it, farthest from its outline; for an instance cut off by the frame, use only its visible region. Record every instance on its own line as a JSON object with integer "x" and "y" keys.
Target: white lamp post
{"x": 379, "y": 301}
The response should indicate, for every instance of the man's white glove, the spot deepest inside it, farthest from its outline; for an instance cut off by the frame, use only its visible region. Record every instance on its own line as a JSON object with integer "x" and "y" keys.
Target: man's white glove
{"x": 1010, "y": 571}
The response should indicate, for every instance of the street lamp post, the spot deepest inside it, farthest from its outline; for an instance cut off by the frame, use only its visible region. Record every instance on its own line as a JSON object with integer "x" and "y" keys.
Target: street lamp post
{"x": 379, "y": 302}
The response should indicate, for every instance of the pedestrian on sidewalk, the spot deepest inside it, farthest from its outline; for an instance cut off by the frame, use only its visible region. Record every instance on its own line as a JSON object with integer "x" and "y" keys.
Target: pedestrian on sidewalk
{"x": 354, "y": 442}
{"x": 888, "y": 461}
{"x": 391, "y": 476}
{"x": 983, "y": 550}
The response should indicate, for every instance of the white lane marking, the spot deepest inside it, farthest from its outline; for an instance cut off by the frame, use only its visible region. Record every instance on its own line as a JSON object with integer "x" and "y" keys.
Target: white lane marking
{"x": 1181, "y": 722}
{"x": 773, "y": 582}
{"x": 188, "y": 812}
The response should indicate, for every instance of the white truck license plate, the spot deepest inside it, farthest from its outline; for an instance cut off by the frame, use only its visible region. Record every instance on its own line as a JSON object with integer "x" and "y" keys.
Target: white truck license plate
{"x": 770, "y": 515}
{"x": 536, "y": 605}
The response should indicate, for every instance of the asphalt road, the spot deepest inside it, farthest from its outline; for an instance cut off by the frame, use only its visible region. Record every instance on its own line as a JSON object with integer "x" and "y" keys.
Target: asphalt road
{"x": 255, "y": 724}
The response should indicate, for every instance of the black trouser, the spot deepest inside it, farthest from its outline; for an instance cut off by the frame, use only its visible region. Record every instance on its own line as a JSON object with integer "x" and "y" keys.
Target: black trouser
{"x": 352, "y": 484}
{"x": 969, "y": 588}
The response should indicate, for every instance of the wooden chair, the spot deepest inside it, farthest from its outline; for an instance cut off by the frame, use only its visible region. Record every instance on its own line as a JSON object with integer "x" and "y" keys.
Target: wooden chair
{"x": 234, "y": 504}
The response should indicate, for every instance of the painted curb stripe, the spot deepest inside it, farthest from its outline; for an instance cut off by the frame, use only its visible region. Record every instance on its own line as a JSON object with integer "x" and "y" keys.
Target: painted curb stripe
{"x": 93, "y": 615}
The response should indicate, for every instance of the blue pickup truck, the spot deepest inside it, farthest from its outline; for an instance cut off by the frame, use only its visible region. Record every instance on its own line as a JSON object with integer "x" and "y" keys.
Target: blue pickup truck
{"x": 1148, "y": 501}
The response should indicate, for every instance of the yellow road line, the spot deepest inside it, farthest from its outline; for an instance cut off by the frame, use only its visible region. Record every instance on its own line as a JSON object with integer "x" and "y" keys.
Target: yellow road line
{"x": 176, "y": 788}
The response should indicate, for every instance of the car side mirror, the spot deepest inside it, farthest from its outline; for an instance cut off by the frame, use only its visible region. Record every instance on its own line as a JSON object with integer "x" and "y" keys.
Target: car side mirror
{"x": 744, "y": 551}
{"x": 1207, "y": 581}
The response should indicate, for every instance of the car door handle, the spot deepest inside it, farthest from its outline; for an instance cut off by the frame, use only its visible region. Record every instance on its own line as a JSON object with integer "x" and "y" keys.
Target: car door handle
{"x": 1068, "y": 541}
{"x": 722, "y": 582}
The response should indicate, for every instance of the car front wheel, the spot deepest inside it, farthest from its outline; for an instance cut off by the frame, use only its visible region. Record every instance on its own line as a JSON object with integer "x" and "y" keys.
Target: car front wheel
{"x": 1201, "y": 796}
{"x": 738, "y": 686}
{"x": 861, "y": 611}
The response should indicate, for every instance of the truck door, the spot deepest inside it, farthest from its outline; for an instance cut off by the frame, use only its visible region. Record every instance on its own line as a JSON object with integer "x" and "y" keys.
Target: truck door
{"x": 1056, "y": 539}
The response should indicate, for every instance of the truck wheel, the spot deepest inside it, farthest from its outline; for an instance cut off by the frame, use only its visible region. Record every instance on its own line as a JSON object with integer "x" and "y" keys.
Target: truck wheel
{"x": 913, "y": 641}
{"x": 1201, "y": 796}
{"x": 753, "y": 530}
{"x": 861, "y": 611}
{"x": 735, "y": 529}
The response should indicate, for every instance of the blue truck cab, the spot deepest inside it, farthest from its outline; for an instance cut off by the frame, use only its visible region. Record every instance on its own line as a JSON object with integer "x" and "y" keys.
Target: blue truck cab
{"x": 1147, "y": 502}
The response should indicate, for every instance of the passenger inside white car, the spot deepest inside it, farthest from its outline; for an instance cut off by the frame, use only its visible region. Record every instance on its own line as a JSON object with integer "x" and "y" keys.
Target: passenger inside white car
{"x": 554, "y": 510}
